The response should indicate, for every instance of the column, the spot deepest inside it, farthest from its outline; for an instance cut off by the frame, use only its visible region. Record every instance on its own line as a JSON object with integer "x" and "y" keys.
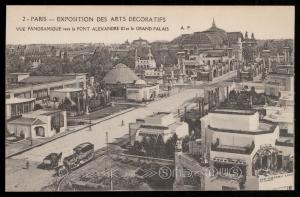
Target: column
{"x": 268, "y": 161}
{"x": 31, "y": 92}
{"x": 272, "y": 161}
{"x": 275, "y": 161}
{"x": 260, "y": 161}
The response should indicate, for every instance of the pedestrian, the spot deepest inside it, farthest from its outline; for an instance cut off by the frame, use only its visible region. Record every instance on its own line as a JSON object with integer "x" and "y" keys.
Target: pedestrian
{"x": 122, "y": 123}
{"x": 27, "y": 164}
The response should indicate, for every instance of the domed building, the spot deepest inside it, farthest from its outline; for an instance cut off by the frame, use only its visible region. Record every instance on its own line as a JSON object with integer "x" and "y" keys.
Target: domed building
{"x": 120, "y": 74}
{"x": 214, "y": 38}
{"x": 216, "y": 35}
{"x": 118, "y": 79}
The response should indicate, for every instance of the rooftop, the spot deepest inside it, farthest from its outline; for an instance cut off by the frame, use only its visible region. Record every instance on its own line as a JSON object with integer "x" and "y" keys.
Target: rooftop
{"x": 68, "y": 90}
{"x": 160, "y": 114}
{"x": 280, "y": 74}
{"x": 120, "y": 74}
{"x": 281, "y": 116}
{"x": 27, "y": 121}
{"x": 18, "y": 100}
{"x": 172, "y": 126}
{"x": 264, "y": 127}
{"x": 234, "y": 111}
{"x": 18, "y": 73}
{"x": 45, "y": 112}
{"x": 44, "y": 79}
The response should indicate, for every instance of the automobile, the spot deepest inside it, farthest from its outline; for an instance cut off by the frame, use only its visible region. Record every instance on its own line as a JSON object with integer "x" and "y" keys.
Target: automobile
{"x": 51, "y": 161}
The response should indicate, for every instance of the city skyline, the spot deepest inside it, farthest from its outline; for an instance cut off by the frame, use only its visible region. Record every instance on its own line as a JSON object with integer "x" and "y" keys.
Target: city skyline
{"x": 253, "y": 19}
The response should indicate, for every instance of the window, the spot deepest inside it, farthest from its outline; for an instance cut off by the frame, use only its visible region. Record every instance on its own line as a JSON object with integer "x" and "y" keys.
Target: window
{"x": 40, "y": 131}
{"x": 26, "y": 107}
{"x": 13, "y": 110}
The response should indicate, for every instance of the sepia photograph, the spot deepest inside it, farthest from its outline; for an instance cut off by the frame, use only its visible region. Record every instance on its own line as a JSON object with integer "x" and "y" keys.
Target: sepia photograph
{"x": 149, "y": 98}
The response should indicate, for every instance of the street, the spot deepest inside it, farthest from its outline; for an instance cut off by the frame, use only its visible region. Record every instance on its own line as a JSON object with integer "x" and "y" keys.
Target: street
{"x": 112, "y": 126}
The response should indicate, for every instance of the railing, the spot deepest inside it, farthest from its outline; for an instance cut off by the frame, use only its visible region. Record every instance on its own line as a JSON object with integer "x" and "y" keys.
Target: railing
{"x": 247, "y": 150}
{"x": 271, "y": 130}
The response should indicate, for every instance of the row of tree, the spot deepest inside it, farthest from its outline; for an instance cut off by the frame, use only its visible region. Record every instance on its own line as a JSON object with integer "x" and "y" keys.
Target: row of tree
{"x": 154, "y": 146}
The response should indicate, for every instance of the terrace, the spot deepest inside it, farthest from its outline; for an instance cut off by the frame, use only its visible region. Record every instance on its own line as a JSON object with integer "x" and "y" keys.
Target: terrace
{"x": 264, "y": 127}
{"x": 232, "y": 149}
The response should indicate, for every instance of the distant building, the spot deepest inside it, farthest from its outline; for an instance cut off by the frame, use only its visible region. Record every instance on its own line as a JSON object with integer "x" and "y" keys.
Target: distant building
{"x": 15, "y": 107}
{"x": 142, "y": 63}
{"x": 120, "y": 51}
{"x": 249, "y": 48}
{"x": 211, "y": 53}
{"x": 118, "y": 79}
{"x": 14, "y": 78}
{"x": 76, "y": 96}
{"x": 141, "y": 91}
{"x": 214, "y": 38}
{"x": 140, "y": 43}
{"x": 282, "y": 80}
{"x": 274, "y": 53}
{"x": 39, "y": 87}
{"x": 154, "y": 75}
{"x": 161, "y": 123}
{"x": 251, "y": 71}
{"x": 209, "y": 65}
{"x": 38, "y": 124}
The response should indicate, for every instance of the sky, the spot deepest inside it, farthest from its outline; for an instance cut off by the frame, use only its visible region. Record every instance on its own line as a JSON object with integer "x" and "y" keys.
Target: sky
{"x": 266, "y": 22}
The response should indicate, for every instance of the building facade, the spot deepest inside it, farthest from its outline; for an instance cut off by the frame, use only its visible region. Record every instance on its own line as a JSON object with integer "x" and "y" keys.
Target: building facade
{"x": 15, "y": 107}
{"x": 39, "y": 87}
{"x": 38, "y": 124}
{"x": 161, "y": 123}
{"x": 251, "y": 145}
{"x": 141, "y": 91}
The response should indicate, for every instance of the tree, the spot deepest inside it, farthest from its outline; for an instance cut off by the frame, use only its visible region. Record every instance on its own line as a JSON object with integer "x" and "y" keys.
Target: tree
{"x": 145, "y": 144}
{"x": 254, "y": 95}
{"x": 136, "y": 148}
{"x": 65, "y": 105}
{"x": 174, "y": 139}
{"x": 185, "y": 144}
{"x": 152, "y": 145}
{"x": 170, "y": 146}
{"x": 170, "y": 149}
{"x": 264, "y": 75}
{"x": 160, "y": 147}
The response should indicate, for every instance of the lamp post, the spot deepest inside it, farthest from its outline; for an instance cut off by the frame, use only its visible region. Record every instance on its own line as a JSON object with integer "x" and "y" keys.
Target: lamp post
{"x": 90, "y": 123}
{"x": 31, "y": 143}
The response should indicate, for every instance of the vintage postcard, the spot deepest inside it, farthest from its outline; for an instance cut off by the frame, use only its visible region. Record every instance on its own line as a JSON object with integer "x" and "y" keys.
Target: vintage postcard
{"x": 148, "y": 98}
